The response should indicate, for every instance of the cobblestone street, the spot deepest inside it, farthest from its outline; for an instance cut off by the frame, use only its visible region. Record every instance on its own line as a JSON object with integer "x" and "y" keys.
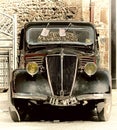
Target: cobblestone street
{"x": 7, "y": 124}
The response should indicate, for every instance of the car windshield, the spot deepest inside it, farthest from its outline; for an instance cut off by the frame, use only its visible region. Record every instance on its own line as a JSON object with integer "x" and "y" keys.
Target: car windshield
{"x": 60, "y": 35}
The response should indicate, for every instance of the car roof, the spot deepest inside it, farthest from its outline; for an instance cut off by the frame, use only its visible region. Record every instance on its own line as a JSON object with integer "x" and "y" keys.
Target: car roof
{"x": 55, "y": 23}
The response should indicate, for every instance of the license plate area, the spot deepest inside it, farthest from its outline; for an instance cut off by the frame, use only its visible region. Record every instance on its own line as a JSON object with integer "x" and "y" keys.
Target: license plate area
{"x": 70, "y": 101}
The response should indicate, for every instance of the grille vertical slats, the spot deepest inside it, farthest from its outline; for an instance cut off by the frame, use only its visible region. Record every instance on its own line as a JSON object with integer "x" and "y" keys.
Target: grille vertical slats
{"x": 54, "y": 69}
{"x": 69, "y": 72}
{"x": 61, "y": 72}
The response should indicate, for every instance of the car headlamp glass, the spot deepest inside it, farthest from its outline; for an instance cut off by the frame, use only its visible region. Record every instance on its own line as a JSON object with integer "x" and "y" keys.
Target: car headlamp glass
{"x": 32, "y": 68}
{"x": 90, "y": 68}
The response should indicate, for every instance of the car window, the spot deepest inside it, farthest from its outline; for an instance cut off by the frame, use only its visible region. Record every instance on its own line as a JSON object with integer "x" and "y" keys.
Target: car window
{"x": 38, "y": 35}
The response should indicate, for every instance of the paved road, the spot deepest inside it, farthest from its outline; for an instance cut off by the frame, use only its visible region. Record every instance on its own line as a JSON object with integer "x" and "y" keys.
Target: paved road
{"x": 7, "y": 124}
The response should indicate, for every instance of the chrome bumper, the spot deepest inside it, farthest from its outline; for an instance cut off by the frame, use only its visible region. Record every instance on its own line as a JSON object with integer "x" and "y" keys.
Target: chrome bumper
{"x": 61, "y": 101}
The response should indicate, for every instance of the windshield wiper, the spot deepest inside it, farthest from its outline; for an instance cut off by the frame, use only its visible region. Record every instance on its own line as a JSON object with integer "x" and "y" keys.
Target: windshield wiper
{"x": 69, "y": 25}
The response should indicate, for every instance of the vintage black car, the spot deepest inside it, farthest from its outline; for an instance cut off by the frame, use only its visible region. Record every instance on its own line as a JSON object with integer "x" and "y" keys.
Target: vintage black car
{"x": 59, "y": 65}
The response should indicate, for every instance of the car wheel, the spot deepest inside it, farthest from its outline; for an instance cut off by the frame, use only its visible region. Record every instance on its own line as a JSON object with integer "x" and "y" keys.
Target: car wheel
{"x": 104, "y": 110}
{"x": 22, "y": 113}
{"x": 22, "y": 108}
{"x": 14, "y": 115}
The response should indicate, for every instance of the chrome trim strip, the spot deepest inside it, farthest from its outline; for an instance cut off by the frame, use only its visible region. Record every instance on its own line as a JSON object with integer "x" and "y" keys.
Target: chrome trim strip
{"x": 30, "y": 96}
{"x": 94, "y": 96}
{"x": 62, "y": 56}
{"x": 49, "y": 77}
{"x": 74, "y": 75}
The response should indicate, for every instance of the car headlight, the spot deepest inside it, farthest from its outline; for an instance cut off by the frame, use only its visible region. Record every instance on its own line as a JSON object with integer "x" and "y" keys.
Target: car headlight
{"x": 32, "y": 68}
{"x": 90, "y": 68}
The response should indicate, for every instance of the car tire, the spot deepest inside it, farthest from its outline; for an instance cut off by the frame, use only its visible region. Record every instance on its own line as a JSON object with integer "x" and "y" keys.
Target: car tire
{"x": 22, "y": 108}
{"x": 22, "y": 113}
{"x": 104, "y": 110}
{"x": 14, "y": 115}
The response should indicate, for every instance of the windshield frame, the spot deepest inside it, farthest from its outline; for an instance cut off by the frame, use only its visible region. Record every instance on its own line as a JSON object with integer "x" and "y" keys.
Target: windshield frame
{"x": 90, "y": 29}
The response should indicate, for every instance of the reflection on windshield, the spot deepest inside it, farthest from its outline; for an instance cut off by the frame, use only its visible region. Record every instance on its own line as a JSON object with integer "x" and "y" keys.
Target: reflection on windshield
{"x": 57, "y": 35}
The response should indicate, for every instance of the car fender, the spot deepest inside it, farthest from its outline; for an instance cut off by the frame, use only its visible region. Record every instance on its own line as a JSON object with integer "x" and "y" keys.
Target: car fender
{"x": 98, "y": 83}
{"x": 22, "y": 82}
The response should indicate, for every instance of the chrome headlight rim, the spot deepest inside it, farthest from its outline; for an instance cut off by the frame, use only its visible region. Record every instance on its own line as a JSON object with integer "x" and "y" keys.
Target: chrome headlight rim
{"x": 90, "y": 68}
{"x": 32, "y": 68}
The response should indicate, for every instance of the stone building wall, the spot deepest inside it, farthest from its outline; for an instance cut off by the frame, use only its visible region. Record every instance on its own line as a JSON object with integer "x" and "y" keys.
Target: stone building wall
{"x": 100, "y": 17}
{"x": 35, "y": 10}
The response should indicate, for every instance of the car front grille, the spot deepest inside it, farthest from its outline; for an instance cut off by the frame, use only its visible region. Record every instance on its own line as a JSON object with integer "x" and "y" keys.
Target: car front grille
{"x": 84, "y": 59}
{"x": 38, "y": 58}
{"x": 61, "y": 70}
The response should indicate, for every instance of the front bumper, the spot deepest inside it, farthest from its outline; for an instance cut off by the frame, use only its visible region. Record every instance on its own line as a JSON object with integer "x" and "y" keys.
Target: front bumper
{"x": 61, "y": 101}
